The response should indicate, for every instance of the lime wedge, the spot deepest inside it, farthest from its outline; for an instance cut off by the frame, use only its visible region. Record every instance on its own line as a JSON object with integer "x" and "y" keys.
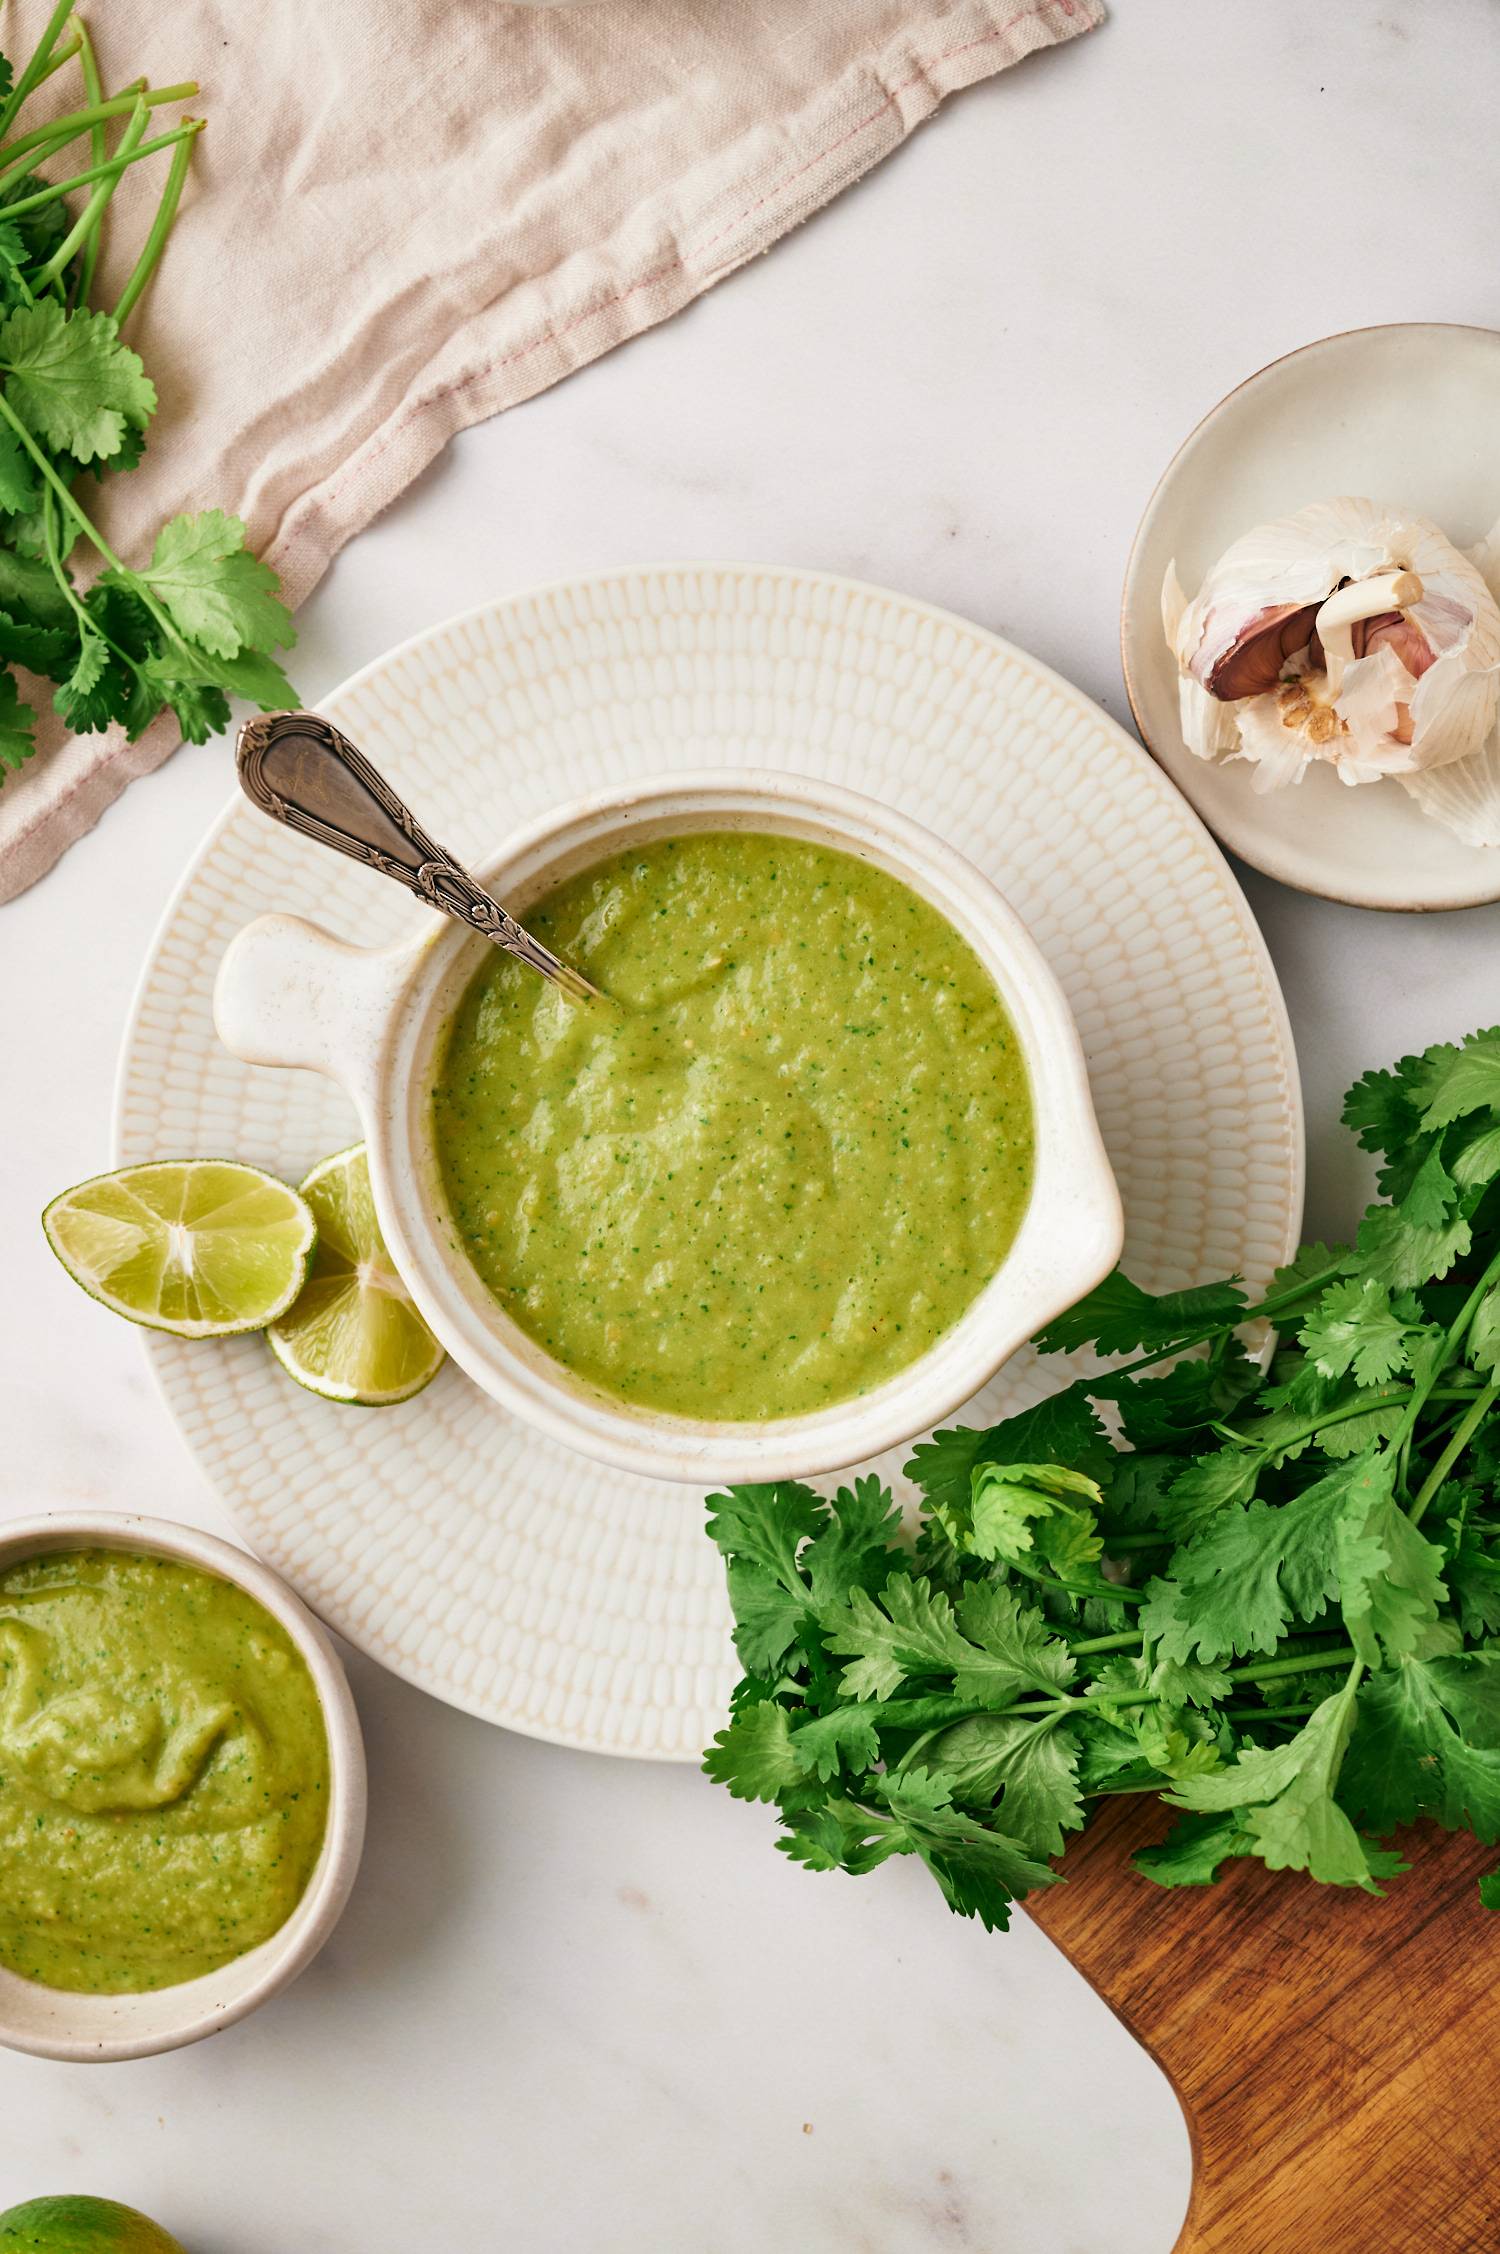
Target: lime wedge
{"x": 198, "y": 1246}
{"x": 354, "y": 1334}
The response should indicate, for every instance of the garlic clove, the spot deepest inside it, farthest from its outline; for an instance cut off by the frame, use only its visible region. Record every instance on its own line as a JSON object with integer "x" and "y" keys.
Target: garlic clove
{"x": 1253, "y": 657}
{"x": 1374, "y": 703}
{"x": 1361, "y": 603}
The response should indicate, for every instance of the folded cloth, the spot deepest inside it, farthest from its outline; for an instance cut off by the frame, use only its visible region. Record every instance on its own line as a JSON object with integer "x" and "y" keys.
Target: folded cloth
{"x": 406, "y": 215}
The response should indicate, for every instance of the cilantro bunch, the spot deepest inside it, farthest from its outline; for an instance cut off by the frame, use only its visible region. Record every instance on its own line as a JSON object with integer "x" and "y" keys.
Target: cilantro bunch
{"x": 1266, "y": 1589}
{"x": 198, "y": 622}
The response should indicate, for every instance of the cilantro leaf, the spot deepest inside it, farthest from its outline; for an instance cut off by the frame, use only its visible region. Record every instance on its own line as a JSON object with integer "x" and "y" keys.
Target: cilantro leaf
{"x": 19, "y": 488}
{"x": 1015, "y": 1644}
{"x": 87, "y": 699}
{"x": 1284, "y": 1797}
{"x": 1483, "y": 1347}
{"x": 1311, "y": 1264}
{"x": 1194, "y": 1850}
{"x": 848, "y": 1737}
{"x": 1402, "y": 1252}
{"x": 1385, "y": 1108}
{"x": 194, "y": 684}
{"x": 1390, "y": 1578}
{"x": 1117, "y": 1317}
{"x": 754, "y": 1756}
{"x": 1063, "y": 1429}
{"x": 41, "y": 230}
{"x": 41, "y": 649}
{"x": 1464, "y": 1080}
{"x": 767, "y": 1525}
{"x": 1034, "y": 1764}
{"x": 981, "y": 1871}
{"x": 71, "y": 380}
{"x": 837, "y": 1834}
{"x": 994, "y": 1649}
{"x": 17, "y": 724}
{"x": 217, "y": 595}
{"x": 1412, "y": 1754}
{"x": 1353, "y": 1326}
{"x": 909, "y": 1631}
{"x": 853, "y": 1546}
{"x": 768, "y": 1618}
{"x": 1015, "y": 1509}
{"x": 1171, "y": 1411}
{"x": 1476, "y": 1160}
{"x": 1235, "y": 1587}
{"x": 1208, "y": 1485}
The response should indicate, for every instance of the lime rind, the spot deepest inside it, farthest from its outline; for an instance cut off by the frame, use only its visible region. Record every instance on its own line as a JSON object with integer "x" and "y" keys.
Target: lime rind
{"x": 199, "y": 1248}
{"x": 354, "y": 1335}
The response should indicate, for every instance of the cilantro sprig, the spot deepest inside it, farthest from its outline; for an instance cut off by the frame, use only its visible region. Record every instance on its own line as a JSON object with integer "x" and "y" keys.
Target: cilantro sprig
{"x": 198, "y": 622}
{"x": 1266, "y": 1590}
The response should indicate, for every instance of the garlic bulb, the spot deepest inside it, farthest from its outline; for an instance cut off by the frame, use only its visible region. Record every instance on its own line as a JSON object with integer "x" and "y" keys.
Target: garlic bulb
{"x": 1350, "y": 634}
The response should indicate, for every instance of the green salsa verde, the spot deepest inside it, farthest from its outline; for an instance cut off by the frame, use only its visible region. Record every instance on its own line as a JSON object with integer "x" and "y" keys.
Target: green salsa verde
{"x": 163, "y": 1771}
{"x": 775, "y": 1173}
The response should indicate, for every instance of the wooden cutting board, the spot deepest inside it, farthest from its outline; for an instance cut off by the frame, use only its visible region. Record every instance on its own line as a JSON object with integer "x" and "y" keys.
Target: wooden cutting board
{"x": 1338, "y": 2057}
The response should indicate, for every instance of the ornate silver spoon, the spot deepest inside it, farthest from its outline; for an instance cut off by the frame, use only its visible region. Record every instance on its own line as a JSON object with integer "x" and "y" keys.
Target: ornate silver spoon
{"x": 297, "y": 768}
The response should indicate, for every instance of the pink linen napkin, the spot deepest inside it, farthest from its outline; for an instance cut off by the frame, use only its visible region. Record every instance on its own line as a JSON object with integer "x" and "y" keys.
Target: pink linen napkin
{"x": 406, "y": 215}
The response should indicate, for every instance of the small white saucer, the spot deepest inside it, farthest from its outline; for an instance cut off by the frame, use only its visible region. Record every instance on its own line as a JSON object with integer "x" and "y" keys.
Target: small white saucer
{"x": 1408, "y": 414}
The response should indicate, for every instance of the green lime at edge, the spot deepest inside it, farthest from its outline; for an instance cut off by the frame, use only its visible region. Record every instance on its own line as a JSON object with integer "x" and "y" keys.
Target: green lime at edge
{"x": 74, "y": 2224}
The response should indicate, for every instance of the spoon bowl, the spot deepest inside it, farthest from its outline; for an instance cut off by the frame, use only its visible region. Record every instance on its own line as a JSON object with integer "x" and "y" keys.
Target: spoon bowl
{"x": 301, "y": 770}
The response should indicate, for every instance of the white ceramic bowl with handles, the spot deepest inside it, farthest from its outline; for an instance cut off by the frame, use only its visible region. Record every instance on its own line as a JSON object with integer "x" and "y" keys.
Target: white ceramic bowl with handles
{"x": 288, "y": 994}
{"x": 84, "y": 2029}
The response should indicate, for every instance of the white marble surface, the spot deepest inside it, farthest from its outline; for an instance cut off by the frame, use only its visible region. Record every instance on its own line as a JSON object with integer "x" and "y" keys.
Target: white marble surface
{"x": 577, "y": 2005}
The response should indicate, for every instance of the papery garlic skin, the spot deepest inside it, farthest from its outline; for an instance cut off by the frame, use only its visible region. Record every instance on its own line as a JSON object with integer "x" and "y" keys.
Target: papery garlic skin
{"x": 1465, "y": 794}
{"x": 1406, "y": 681}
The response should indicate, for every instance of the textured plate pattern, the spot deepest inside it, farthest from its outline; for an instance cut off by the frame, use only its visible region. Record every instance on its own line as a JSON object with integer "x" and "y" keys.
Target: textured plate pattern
{"x": 489, "y": 1566}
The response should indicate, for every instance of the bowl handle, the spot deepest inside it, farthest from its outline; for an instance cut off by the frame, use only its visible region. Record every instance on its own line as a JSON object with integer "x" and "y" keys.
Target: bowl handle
{"x": 289, "y": 993}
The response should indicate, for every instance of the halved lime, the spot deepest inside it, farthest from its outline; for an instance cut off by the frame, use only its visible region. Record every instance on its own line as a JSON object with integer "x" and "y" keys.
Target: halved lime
{"x": 354, "y": 1335}
{"x": 75, "y": 2224}
{"x": 196, "y": 1246}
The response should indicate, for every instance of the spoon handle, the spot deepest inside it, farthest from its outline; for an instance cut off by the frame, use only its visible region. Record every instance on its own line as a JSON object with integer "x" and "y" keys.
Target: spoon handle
{"x": 299, "y": 769}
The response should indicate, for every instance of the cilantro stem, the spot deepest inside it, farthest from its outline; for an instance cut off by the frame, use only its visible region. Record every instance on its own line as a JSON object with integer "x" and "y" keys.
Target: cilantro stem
{"x": 87, "y": 625}
{"x": 63, "y": 56}
{"x": 1272, "y": 1670}
{"x": 62, "y": 130}
{"x": 98, "y": 148}
{"x": 1089, "y": 1701}
{"x": 54, "y": 559}
{"x": 1106, "y": 1592}
{"x": 91, "y": 532}
{"x": 1457, "y": 1331}
{"x": 111, "y": 165}
{"x": 88, "y": 529}
{"x": 36, "y": 69}
{"x": 161, "y": 226}
{"x": 1127, "y": 1640}
{"x": 85, "y": 227}
{"x": 1462, "y": 1435}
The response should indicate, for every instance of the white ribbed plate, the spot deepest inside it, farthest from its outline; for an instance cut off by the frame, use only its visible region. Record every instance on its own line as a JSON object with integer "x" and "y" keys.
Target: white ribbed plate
{"x": 494, "y": 1568}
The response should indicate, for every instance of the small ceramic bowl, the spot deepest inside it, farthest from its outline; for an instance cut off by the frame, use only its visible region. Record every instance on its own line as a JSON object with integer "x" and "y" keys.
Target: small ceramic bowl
{"x": 55, "y": 2023}
{"x": 288, "y": 994}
